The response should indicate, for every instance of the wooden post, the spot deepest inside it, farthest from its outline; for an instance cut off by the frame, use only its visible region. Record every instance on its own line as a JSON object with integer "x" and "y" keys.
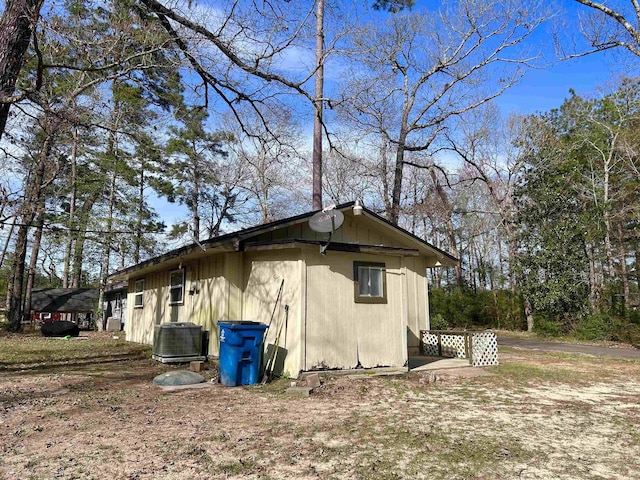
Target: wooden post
{"x": 439, "y": 344}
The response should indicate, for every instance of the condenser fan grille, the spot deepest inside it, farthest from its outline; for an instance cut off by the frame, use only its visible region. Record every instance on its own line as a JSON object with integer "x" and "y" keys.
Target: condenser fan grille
{"x": 177, "y": 342}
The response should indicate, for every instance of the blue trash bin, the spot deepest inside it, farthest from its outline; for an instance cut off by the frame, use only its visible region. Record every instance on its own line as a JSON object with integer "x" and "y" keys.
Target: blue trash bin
{"x": 240, "y": 352}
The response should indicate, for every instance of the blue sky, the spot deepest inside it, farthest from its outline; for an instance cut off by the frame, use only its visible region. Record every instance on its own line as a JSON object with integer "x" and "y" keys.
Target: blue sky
{"x": 544, "y": 89}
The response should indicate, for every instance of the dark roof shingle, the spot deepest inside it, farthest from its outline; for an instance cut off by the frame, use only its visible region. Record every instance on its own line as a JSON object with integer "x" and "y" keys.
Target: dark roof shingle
{"x": 64, "y": 299}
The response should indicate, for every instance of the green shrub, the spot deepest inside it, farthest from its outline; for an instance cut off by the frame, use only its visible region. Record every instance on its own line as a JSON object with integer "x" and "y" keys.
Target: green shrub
{"x": 633, "y": 316}
{"x": 465, "y": 308}
{"x": 547, "y": 328}
{"x": 623, "y": 330}
{"x": 598, "y": 326}
{"x": 438, "y": 322}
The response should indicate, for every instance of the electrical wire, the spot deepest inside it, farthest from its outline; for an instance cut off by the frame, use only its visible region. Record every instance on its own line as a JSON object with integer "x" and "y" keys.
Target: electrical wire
{"x": 56, "y": 228}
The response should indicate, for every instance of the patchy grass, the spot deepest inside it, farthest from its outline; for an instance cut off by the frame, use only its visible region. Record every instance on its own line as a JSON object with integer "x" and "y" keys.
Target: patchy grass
{"x": 526, "y": 374}
{"x": 68, "y": 413}
{"x": 33, "y": 351}
{"x": 556, "y": 339}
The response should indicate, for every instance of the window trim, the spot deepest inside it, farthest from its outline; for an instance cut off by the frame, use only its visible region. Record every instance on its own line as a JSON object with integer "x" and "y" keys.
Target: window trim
{"x": 138, "y": 294}
{"x": 182, "y": 271}
{"x": 356, "y": 282}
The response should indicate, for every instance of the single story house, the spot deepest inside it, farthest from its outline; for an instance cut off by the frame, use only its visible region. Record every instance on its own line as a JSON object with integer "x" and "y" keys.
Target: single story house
{"x": 360, "y": 304}
{"x": 75, "y": 304}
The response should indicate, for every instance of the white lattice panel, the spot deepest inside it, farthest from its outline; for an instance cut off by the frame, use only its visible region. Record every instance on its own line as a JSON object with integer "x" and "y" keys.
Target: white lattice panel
{"x": 430, "y": 344}
{"x": 485, "y": 349}
{"x": 453, "y": 346}
{"x": 484, "y": 346}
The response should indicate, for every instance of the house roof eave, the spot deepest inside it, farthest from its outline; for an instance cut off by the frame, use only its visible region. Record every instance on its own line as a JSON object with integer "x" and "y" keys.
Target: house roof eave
{"x": 232, "y": 242}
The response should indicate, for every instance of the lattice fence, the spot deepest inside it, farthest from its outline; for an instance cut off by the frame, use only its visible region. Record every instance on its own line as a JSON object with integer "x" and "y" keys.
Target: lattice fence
{"x": 481, "y": 348}
{"x": 430, "y": 344}
{"x": 484, "y": 348}
{"x": 444, "y": 345}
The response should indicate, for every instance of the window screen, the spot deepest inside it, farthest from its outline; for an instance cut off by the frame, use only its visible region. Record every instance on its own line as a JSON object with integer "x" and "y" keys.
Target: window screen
{"x": 370, "y": 282}
{"x": 176, "y": 287}
{"x": 138, "y": 296}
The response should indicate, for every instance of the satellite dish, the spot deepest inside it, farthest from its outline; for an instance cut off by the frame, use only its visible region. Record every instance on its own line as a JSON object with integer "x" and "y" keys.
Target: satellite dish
{"x": 326, "y": 222}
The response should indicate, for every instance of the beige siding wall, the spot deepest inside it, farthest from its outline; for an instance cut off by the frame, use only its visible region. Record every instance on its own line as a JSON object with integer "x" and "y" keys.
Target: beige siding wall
{"x": 219, "y": 279}
{"x": 264, "y": 273}
{"x": 355, "y": 229}
{"x": 325, "y": 326}
{"x": 341, "y": 333}
{"x": 417, "y": 313}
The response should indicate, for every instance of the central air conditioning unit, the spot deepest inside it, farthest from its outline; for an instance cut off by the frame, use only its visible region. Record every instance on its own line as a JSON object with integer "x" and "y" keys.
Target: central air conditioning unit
{"x": 178, "y": 342}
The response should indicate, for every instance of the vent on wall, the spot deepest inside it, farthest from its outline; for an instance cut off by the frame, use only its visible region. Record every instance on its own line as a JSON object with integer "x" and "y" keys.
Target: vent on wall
{"x": 177, "y": 342}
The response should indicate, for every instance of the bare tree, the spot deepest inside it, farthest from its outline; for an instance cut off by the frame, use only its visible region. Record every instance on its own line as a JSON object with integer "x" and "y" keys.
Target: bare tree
{"x": 487, "y": 144}
{"x": 348, "y": 176}
{"x": 607, "y": 25}
{"x": 270, "y": 159}
{"x": 419, "y": 72}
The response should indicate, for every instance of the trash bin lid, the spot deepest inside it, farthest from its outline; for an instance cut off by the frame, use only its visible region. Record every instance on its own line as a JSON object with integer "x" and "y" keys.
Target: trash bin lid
{"x": 239, "y": 324}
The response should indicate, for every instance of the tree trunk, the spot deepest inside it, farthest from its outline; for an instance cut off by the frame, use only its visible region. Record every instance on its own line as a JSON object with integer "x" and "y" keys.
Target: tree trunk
{"x": 138, "y": 236}
{"x": 7, "y": 241}
{"x": 27, "y": 214}
{"x": 78, "y": 251}
{"x": 17, "y": 277}
{"x": 594, "y": 289}
{"x": 33, "y": 262}
{"x": 16, "y": 25}
{"x": 72, "y": 208}
{"x": 622, "y": 258}
{"x": 636, "y": 260}
{"x": 196, "y": 208}
{"x": 396, "y": 194}
{"x": 528, "y": 313}
{"x": 451, "y": 233}
{"x": 607, "y": 220}
{"x": 512, "y": 253}
{"x": 318, "y": 106}
{"x": 106, "y": 256}
{"x": 384, "y": 165}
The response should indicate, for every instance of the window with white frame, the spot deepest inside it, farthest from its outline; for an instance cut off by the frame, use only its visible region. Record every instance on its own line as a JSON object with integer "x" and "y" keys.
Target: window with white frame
{"x": 176, "y": 287}
{"x": 370, "y": 282}
{"x": 138, "y": 295}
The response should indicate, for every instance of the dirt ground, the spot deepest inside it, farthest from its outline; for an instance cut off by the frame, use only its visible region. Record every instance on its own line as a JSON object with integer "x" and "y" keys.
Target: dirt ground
{"x": 536, "y": 416}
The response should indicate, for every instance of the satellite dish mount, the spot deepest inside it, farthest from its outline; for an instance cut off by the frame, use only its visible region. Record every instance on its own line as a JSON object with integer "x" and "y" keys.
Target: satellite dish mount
{"x": 326, "y": 221}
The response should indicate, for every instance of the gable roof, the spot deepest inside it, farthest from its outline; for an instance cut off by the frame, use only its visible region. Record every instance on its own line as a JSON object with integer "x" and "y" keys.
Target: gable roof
{"x": 234, "y": 241}
{"x": 64, "y": 299}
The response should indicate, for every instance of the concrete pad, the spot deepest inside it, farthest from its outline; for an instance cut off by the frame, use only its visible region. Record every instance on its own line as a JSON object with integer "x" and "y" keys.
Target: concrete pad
{"x": 418, "y": 364}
